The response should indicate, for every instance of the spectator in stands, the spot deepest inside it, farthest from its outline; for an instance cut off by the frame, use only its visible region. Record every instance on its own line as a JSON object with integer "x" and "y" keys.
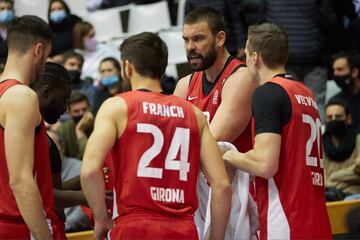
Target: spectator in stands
{"x": 69, "y": 196}
{"x": 73, "y": 62}
{"x": 6, "y": 17}
{"x": 61, "y": 22}
{"x": 346, "y": 67}
{"x": 235, "y": 34}
{"x": 300, "y": 19}
{"x": 93, "y": 52}
{"x": 110, "y": 83}
{"x": 342, "y": 148}
{"x": 75, "y": 131}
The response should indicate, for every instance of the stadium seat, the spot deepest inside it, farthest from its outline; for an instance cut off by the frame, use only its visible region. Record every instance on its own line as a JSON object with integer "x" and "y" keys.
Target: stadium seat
{"x": 338, "y": 212}
{"x": 175, "y": 43}
{"x": 38, "y": 8}
{"x": 107, "y": 23}
{"x": 149, "y": 17}
{"x": 85, "y": 235}
{"x": 77, "y": 7}
{"x": 180, "y": 13}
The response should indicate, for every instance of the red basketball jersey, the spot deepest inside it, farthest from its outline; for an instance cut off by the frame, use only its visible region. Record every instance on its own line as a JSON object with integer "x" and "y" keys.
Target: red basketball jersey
{"x": 156, "y": 160}
{"x": 209, "y": 103}
{"x": 9, "y": 212}
{"x": 292, "y": 204}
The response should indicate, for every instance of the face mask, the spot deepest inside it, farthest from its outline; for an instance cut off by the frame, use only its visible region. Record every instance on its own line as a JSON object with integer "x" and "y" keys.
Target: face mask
{"x": 336, "y": 127}
{"x": 6, "y": 16}
{"x": 76, "y": 119}
{"x": 343, "y": 81}
{"x": 90, "y": 44}
{"x": 74, "y": 76}
{"x": 110, "y": 81}
{"x": 57, "y": 16}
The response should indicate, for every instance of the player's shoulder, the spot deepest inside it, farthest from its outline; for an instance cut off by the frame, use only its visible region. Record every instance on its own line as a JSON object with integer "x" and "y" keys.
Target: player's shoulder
{"x": 20, "y": 95}
{"x": 20, "y": 90}
{"x": 185, "y": 81}
{"x": 114, "y": 105}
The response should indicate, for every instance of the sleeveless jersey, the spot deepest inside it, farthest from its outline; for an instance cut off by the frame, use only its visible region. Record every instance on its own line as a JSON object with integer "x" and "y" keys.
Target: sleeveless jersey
{"x": 9, "y": 211}
{"x": 292, "y": 204}
{"x": 156, "y": 160}
{"x": 209, "y": 103}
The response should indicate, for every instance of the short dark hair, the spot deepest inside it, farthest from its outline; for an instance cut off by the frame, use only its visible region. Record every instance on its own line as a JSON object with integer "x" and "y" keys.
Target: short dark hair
{"x": 53, "y": 75}
{"x": 114, "y": 61}
{"x": 352, "y": 58}
{"x": 26, "y": 31}
{"x": 77, "y": 97}
{"x": 147, "y": 52}
{"x": 340, "y": 102}
{"x": 206, "y": 14}
{"x": 72, "y": 54}
{"x": 271, "y": 42}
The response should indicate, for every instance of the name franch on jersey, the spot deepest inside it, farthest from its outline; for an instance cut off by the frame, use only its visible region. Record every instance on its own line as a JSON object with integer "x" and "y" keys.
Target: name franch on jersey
{"x": 163, "y": 110}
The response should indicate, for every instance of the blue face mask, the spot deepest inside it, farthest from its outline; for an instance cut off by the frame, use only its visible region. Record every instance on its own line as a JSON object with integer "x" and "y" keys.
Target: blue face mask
{"x": 110, "y": 81}
{"x": 57, "y": 16}
{"x": 6, "y": 16}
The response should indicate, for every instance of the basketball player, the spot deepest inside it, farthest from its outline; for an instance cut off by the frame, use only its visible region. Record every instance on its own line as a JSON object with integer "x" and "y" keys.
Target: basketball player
{"x": 156, "y": 142}
{"x": 220, "y": 86}
{"x": 287, "y": 153}
{"x": 27, "y": 204}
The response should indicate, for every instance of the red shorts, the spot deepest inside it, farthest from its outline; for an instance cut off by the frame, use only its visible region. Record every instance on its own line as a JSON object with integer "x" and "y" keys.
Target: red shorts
{"x": 13, "y": 230}
{"x": 154, "y": 228}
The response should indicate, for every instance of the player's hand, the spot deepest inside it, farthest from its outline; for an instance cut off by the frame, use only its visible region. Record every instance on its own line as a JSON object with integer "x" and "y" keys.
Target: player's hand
{"x": 85, "y": 124}
{"x": 231, "y": 157}
{"x": 101, "y": 228}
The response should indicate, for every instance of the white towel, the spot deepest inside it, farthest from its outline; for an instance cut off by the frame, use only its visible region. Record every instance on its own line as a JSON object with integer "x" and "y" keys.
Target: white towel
{"x": 243, "y": 221}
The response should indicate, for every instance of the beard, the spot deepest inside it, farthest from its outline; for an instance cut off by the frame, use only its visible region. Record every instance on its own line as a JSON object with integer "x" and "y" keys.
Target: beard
{"x": 199, "y": 62}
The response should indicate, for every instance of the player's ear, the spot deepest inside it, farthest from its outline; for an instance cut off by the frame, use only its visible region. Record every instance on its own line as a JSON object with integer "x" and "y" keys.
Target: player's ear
{"x": 45, "y": 92}
{"x": 254, "y": 58}
{"x": 220, "y": 38}
{"x": 128, "y": 68}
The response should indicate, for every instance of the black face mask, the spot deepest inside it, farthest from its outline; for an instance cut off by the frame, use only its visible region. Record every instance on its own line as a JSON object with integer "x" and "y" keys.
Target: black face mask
{"x": 74, "y": 76}
{"x": 343, "y": 81}
{"x": 76, "y": 119}
{"x": 336, "y": 127}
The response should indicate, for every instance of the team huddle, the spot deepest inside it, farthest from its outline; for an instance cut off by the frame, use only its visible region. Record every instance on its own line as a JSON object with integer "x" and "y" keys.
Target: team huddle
{"x": 181, "y": 165}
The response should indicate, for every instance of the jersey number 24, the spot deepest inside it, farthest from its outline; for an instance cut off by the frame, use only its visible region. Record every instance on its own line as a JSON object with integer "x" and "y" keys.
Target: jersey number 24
{"x": 180, "y": 142}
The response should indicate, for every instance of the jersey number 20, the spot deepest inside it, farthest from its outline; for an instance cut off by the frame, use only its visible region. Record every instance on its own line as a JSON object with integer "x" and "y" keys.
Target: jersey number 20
{"x": 315, "y": 126}
{"x": 180, "y": 142}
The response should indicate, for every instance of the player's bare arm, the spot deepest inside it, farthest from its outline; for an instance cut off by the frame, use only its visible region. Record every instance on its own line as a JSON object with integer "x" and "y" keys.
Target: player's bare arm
{"x": 107, "y": 129}
{"x": 214, "y": 169}
{"x": 182, "y": 87}
{"x": 20, "y": 117}
{"x": 234, "y": 112}
{"x": 263, "y": 160}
